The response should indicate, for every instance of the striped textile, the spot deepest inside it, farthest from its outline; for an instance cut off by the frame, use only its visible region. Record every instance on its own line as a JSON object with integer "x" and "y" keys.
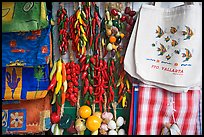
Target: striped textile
{"x": 155, "y": 109}
{"x": 199, "y": 119}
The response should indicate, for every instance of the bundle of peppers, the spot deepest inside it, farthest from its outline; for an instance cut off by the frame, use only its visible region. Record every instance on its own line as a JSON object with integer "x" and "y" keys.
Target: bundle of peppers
{"x": 115, "y": 36}
{"x": 87, "y": 68}
{"x": 72, "y": 77}
{"x": 62, "y": 23}
{"x": 100, "y": 82}
{"x": 58, "y": 86}
{"x": 78, "y": 31}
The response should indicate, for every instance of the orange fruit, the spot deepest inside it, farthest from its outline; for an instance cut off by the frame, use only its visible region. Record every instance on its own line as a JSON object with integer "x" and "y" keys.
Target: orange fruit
{"x": 84, "y": 111}
{"x": 112, "y": 39}
{"x": 93, "y": 123}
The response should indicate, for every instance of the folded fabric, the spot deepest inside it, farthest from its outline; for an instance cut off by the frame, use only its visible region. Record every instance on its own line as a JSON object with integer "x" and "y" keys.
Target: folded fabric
{"x": 24, "y": 83}
{"x": 158, "y": 107}
{"x": 20, "y": 117}
{"x": 23, "y": 16}
{"x": 26, "y": 49}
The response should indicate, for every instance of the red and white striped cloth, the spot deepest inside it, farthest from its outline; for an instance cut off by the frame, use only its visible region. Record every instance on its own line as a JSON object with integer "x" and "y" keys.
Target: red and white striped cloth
{"x": 154, "y": 110}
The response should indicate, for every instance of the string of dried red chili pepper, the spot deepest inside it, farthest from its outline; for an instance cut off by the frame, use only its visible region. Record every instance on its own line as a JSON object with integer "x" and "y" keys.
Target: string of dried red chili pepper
{"x": 62, "y": 22}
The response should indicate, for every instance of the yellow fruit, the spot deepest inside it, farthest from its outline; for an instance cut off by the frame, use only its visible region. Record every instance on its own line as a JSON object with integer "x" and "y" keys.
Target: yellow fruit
{"x": 93, "y": 123}
{"x": 98, "y": 114}
{"x": 84, "y": 111}
{"x": 108, "y": 32}
{"x": 122, "y": 35}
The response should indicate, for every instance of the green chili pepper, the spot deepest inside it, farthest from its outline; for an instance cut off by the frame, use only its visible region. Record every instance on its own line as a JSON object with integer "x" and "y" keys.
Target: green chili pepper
{"x": 80, "y": 43}
{"x": 92, "y": 73}
{"x": 88, "y": 59}
{"x": 60, "y": 37}
{"x": 89, "y": 76}
{"x": 89, "y": 70}
{"x": 90, "y": 99}
{"x": 59, "y": 98}
{"x": 92, "y": 66}
{"x": 86, "y": 97}
{"x": 91, "y": 81}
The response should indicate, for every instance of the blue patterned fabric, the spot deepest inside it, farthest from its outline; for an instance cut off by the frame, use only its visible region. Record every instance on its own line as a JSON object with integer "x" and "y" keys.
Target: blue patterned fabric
{"x": 21, "y": 83}
{"x": 26, "y": 49}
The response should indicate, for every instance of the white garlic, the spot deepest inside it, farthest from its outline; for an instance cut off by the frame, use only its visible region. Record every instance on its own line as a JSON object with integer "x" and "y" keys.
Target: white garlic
{"x": 121, "y": 131}
{"x": 112, "y": 132}
{"x": 112, "y": 124}
{"x": 119, "y": 121}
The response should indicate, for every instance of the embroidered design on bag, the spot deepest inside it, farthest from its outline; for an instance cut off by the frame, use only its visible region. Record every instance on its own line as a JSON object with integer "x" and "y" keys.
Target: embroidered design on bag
{"x": 174, "y": 43}
{"x": 160, "y": 32}
{"x": 188, "y": 33}
{"x": 187, "y": 55}
{"x": 167, "y": 38}
{"x": 173, "y": 30}
{"x": 161, "y": 49}
{"x": 172, "y": 40}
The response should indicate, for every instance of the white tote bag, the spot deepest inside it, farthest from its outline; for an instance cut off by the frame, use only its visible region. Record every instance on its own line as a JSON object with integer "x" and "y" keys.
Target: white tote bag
{"x": 129, "y": 66}
{"x": 164, "y": 67}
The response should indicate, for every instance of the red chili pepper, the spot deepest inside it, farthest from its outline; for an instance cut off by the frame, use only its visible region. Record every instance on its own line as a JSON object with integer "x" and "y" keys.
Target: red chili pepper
{"x": 85, "y": 89}
{"x": 106, "y": 75}
{"x": 99, "y": 82}
{"x": 86, "y": 82}
{"x": 113, "y": 64}
{"x": 76, "y": 83}
{"x": 63, "y": 72}
{"x": 97, "y": 19}
{"x": 82, "y": 59}
{"x": 92, "y": 60}
{"x": 76, "y": 90}
{"x": 120, "y": 99}
{"x": 90, "y": 89}
{"x": 67, "y": 65}
{"x": 70, "y": 90}
{"x": 64, "y": 11}
{"x": 84, "y": 74}
{"x": 93, "y": 26}
{"x": 68, "y": 77}
{"x": 58, "y": 21}
{"x": 121, "y": 88}
{"x": 62, "y": 16}
{"x": 97, "y": 91}
{"x": 73, "y": 75}
{"x": 100, "y": 103}
{"x": 86, "y": 67}
{"x": 96, "y": 41}
{"x": 70, "y": 84}
{"x": 52, "y": 83}
{"x": 111, "y": 92}
{"x": 63, "y": 98}
{"x": 111, "y": 70}
{"x": 73, "y": 98}
{"x": 68, "y": 71}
